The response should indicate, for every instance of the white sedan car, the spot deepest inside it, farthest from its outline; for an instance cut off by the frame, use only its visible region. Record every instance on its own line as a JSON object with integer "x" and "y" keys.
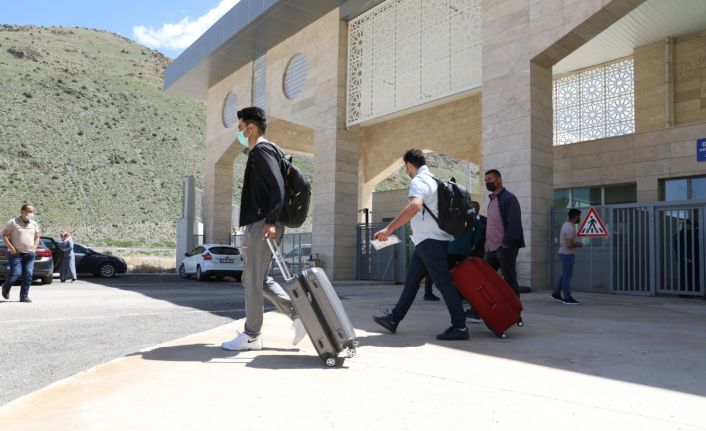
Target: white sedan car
{"x": 209, "y": 260}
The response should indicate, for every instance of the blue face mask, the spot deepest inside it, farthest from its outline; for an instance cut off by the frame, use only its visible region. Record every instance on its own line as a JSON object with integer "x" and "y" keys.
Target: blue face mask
{"x": 242, "y": 139}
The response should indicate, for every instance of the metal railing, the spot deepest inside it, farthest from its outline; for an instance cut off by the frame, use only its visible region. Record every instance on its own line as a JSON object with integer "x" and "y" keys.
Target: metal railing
{"x": 654, "y": 248}
{"x": 387, "y": 264}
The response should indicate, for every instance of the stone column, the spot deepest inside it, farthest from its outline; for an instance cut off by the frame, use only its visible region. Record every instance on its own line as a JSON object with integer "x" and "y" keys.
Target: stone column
{"x": 522, "y": 40}
{"x": 336, "y": 169}
{"x": 218, "y": 195}
{"x": 517, "y": 128}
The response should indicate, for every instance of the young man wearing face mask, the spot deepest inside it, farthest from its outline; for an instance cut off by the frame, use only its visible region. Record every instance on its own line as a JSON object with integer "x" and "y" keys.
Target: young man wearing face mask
{"x": 568, "y": 245}
{"x": 430, "y": 252}
{"x": 21, "y": 237}
{"x": 260, "y": 205}
{"x": 503, "y": 233}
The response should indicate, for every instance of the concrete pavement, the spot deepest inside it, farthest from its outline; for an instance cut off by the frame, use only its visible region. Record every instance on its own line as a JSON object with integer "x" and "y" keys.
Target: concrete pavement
{"x": 71, "y": 327}
{"x": 614, "y": 362}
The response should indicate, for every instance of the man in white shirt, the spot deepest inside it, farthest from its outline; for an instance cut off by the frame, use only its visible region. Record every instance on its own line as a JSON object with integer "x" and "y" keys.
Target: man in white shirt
{"x": 567, "y": 249}
{"x": 431, "y": 245}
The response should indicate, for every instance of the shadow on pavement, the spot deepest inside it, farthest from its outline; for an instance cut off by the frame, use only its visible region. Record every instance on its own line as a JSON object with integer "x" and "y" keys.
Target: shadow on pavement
{"x": 218, "y": 297}
{"x": 287, "y": 362}
{"x": 196, "y": 353}
{"x": 653, "y": 341}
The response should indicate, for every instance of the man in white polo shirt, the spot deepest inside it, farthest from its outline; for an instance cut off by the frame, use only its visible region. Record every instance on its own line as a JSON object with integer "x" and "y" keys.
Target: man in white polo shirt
{"x": 21, "y": 237}
{"x": 431, "y": 246}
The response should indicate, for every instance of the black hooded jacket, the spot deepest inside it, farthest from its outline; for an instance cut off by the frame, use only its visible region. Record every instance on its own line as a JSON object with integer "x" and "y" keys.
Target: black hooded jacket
{"x": 263, "y": 185}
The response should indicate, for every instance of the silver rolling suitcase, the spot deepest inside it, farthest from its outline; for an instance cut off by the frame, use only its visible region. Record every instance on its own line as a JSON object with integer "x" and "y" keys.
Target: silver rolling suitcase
{"x": 320, "y": 309}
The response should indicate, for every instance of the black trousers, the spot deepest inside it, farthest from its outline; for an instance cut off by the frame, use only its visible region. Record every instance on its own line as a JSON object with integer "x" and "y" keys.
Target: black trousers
{"x": 505, "y": 259}
{"x": 453, "y": 260}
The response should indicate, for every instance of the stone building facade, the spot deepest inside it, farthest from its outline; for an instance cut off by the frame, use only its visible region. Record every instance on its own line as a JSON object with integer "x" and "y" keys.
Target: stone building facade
{"x": 496, "y": 110}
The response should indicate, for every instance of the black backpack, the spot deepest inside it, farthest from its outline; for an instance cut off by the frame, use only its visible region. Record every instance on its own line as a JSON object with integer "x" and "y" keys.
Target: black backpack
{"x": 297, "y": 192}
{"x": 456, "y": 214}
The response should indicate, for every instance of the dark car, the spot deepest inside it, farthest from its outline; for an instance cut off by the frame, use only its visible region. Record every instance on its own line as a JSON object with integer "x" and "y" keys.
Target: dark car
{"x": 43, "y": 264}
{"x": 88, "y": 261}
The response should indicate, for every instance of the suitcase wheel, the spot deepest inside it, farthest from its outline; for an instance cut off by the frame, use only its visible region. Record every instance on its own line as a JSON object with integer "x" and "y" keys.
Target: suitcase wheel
{"x": 351, "y": 353}
{"x": 355, "y": 343}
{"x": 499, "y": 335}
{"x": 520, "y": 323}
{"x": 331, "y": 362}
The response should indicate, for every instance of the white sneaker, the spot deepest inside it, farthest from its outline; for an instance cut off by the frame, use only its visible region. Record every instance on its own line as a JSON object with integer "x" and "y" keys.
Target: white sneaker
{"x": 299, "y": 331}
{"x": 243, "y": 342}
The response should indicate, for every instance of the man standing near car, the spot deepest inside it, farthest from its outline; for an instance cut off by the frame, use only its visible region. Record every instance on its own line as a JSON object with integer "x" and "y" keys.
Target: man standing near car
{"x": 260, "y": 206}
{"x": 21, "y": 237}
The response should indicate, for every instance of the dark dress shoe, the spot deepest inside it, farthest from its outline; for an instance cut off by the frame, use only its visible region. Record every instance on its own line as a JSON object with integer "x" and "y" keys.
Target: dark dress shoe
{"x": 453, "y": 334}
{"x": 387, "y": 322}
{"x": 431, "y": 297}
{"x": 25, "y": 299}
{"x": 6, "y": 293}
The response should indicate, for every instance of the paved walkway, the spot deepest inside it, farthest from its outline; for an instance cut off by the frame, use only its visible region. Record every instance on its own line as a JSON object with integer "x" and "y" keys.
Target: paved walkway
{"x": 614, "y": 362}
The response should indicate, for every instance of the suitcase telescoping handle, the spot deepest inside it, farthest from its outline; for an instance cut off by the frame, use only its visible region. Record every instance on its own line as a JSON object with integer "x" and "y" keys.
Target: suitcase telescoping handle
{"x": 277, "y": 254}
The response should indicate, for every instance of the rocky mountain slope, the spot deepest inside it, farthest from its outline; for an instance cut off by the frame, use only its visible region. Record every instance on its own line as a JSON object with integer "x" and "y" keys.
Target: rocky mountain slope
{"x": 90, "y": 138}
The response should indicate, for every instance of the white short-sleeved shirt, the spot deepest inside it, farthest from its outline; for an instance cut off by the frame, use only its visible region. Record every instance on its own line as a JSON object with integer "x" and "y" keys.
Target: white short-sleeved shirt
{"x": 424, "y": 226}
{"x": 22, "y": 234}
{"x": 568, "y": 231}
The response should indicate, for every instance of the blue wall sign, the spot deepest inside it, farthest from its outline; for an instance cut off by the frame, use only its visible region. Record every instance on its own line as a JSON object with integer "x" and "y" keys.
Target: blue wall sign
{"x": 701, "y": 150}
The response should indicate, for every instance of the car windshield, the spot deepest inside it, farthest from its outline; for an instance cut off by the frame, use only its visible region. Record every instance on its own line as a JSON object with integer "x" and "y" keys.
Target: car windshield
{"x": 224, "y": 250}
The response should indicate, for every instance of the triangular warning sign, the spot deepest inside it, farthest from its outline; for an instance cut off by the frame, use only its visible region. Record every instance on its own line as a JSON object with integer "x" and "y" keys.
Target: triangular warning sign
{"x": 592, "y": 226}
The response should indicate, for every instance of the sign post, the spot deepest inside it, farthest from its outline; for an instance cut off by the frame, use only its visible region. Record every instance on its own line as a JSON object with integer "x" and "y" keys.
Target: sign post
{"x": 701, "y": 150}
{"x": 592, "y": 226}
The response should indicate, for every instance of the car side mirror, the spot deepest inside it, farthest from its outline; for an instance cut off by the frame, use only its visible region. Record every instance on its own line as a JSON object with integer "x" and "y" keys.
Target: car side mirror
{"x": 186, "y": 254}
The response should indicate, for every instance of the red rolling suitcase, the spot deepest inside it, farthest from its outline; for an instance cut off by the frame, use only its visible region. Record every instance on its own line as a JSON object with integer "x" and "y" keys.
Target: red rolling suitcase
{"x": 489, "y": 295}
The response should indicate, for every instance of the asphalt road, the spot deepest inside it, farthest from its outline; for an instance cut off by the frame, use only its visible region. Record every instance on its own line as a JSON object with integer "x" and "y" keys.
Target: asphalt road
{"x": 72, "y": 327}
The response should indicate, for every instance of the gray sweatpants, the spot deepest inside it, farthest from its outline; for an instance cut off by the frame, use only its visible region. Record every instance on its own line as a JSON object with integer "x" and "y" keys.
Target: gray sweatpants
{"x": 257, "y": 283}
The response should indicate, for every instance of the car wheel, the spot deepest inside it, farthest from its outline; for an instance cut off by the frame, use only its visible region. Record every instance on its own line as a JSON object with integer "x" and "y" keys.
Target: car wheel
{"x": 182, "y": 272}
{"x": 106, "y": 270}
{"x": 199, "y": 274}
{"x": 48, "y": 279}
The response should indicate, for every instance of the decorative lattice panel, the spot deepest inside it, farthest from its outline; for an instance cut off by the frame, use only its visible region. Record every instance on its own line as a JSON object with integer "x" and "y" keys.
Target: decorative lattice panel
{"x": 295, "y": 76}
{"x": 230, "y": 109}
{"x": 403, "y": 53}
{"x": 259, "y": 79}
{"x": 595, "y": 103}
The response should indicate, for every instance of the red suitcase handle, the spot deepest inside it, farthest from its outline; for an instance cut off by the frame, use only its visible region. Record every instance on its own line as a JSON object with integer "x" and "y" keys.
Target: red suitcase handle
{"x": 490, "y": 302}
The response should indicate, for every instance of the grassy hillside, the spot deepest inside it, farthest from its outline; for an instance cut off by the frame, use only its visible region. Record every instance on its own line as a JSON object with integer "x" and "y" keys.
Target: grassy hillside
{"x": 89, "y": 137}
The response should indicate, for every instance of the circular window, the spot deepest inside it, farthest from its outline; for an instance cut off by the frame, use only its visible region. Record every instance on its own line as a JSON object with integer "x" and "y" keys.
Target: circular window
{"x": 295, "y": 76}
{"x": 230, "y": 109}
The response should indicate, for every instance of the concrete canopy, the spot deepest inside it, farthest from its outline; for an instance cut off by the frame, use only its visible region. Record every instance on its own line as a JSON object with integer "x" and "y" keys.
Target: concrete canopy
{"x": 243, "y": 34}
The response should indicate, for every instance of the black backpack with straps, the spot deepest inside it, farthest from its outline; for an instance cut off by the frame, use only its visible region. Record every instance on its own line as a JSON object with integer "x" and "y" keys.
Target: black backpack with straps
{"x": 297, "y": 191}
{"x": 456, "y": 214}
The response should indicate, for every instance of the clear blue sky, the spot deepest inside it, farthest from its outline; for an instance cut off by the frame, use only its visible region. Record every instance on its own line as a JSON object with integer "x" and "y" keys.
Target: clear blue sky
{"x": 122, "y": 17}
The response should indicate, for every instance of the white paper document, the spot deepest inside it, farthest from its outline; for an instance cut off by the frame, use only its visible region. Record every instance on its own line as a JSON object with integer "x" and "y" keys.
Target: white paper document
{"x": 391, "y": 240}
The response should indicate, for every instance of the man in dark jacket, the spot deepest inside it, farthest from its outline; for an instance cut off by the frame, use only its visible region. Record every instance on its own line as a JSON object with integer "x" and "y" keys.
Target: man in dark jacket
{"x": 503, "y": 233}
{"x": 260, "y": 206}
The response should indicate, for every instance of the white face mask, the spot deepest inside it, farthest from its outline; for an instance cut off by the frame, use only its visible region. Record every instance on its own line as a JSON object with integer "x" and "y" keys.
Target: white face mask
{"x": 242, "y": 138}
